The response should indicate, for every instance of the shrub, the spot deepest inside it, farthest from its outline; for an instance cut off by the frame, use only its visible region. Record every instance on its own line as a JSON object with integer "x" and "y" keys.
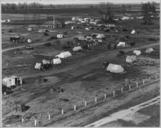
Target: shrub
{"x": 46, "y": 34}
{"x": 47, "y": 44}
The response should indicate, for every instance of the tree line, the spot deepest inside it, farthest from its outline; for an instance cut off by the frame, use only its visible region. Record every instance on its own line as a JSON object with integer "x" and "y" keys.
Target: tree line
{"x": 106, "y": 11}
{"x": 148, "y": 11}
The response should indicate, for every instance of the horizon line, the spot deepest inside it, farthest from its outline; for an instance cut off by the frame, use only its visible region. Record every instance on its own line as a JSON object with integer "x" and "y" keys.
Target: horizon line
{"x": 77, "y": 3}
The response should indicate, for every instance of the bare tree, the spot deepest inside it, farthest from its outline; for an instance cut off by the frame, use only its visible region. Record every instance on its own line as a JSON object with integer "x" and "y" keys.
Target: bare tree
{"x": 149, "y": 12}
{"x": 107, "y": 15}
{"x": 123, "y": 9}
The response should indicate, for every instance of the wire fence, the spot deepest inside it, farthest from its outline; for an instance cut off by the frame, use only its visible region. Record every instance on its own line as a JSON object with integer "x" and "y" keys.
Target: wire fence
{"x": 45, "y": 118}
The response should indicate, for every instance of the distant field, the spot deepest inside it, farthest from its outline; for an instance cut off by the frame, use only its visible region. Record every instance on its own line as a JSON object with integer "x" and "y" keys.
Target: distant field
{"x": 80, "y": 77}
{"x": 29, "y": 16}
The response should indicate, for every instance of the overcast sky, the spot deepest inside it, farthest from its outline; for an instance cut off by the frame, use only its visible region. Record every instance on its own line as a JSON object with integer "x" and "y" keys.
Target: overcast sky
{"x": 76, "y": 1}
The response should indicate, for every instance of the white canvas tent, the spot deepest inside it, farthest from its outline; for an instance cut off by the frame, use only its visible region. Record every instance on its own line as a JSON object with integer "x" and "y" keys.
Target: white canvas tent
{"x": 125, "y": 18}
{"x": 59, "y": 36}
{"x": 72, "y": 27}
{"x": 3, "y": 21}
{"x": 65, "y": 54}
{"x": 81, "y": 37}
{"x": 114, "y": 68}
{"x": 41, "y": 30}
{"x": 100, "y": 36}
{"x": 121, "y": 44}
{"x": 149, "y": 50}
{"x": 29, "y": 40}
{"x": 137, "y": 52}
{"x": 38, "y": 66}
{"x": 130, "y": 59}
{"x": 29, "y": 29}
{"x": 99, "y": 41}
{"x": 8, "y": 20}
{"x": 139, "y": 17}
{"x": 44, "y": 61}
{"x": 76, "y": 49}
{"x": 87, "y": 29}
{"x": 56, "y": 61}
{"x": 133, "y": 31}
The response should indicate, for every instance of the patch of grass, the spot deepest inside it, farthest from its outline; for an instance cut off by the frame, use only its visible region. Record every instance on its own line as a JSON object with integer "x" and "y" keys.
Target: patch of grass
{"x": 48, "y": 44}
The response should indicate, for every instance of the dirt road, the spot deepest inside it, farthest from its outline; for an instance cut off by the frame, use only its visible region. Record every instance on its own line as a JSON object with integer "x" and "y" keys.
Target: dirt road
{"x": 32, "y": 45}
{"x": 127, "y": 101}
{"x": 124, "y": 114}
{"x": 42, "y": 43}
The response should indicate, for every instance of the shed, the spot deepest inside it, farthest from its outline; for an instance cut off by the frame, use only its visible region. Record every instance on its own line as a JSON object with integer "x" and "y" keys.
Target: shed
{"x": 12, "y": 81}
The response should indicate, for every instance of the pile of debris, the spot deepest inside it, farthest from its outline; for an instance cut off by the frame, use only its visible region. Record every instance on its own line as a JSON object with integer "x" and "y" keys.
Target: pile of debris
{"x": 145, "y": 62}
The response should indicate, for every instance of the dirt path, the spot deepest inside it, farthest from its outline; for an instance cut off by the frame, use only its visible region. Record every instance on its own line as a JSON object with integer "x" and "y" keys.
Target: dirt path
{"x": 93, "y": 114}
{"x": 85, "y": 61}
{"x": 33, "y": 45}
{"x": 42, "y": 43}
{"x": 123, "y": 114}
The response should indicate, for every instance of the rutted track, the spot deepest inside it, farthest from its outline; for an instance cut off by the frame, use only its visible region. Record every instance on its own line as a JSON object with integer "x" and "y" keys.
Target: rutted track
{"x": 124, "y": 113}
{"x": 42, "y": 43}
{"x": 84, "y": 118}
{"x": 85, "y": 62}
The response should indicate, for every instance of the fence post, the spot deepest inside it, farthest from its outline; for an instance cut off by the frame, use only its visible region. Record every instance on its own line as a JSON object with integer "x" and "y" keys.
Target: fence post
{"x": 21, "y": 86}
{"x": 85, "y": 103}
{"x": 137, "y": 85}
{"x": 22, "y": 119}
{"x": 35, "y": 122}
{"x": 51, "y": 91}
{"x": 129, "y": 87}
{"x": 75, "y": 107}
{"x": 16, "y": 108}
{"x": 40, "y": 115}
{"x": 95, "y": 99}
{"x": 5, "y": 93}
{"x": 156, "y": 76}
{"x": 105, "y": 95}
{"x": 113, "y": 93}
{"x": 122, "y": 90}
{"x": 62, "y": 111}
{"x": 143, "y": 81}
{"x": 49, "y": 117}
{"x": 126, "y": 82}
